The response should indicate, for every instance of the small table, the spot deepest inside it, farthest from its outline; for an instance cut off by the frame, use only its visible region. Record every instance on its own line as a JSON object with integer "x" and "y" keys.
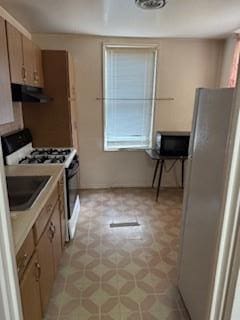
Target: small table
{"x": 156, "y": 156}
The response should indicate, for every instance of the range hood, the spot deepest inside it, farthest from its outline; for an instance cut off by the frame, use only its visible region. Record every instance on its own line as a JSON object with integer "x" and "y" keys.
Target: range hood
{"x": 23, "y": 93}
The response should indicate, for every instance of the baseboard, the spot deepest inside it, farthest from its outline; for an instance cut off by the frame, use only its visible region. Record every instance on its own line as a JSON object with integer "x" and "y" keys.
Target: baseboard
{"x": 106, "y": 186}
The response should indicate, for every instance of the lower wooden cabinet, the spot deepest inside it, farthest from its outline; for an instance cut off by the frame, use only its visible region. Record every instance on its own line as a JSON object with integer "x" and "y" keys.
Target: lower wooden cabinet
{"x": 45, "y": 256}
{"x": 30, "y": 291}
{"x": 49, "y": 251}
{"x": 38, "y": 262}
{"x": 55, "y": 223}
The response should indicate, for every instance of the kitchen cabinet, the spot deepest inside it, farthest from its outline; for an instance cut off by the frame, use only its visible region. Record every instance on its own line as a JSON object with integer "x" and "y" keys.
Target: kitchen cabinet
{"x": 49, "y": 250}
{"x": 73, "y": 101}
{"x": 25, "y": 253}
{"x": 39, "y": 257}
{"x": 28, "y": 61}
{"x": 45, "y": 256}
{"x": 38, "y": 68}
{"x": 55, "y": 123}
{"x": 62, "y": 209}
{"x": 30, "y": 293}
{"x": 6, "y": 106}
{"x": 45, "y": 215}
{"x": 25, "y": 59}
{"x": 57, "y": 238}
{"x": 15, "y": 53}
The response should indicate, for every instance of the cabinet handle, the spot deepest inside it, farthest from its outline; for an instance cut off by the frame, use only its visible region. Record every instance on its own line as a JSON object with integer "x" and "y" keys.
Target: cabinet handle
{"x": 53, "y": 228}
{"x": 35, "y": 77}
{"x": 22, "y": 263}
{"x": 51, "y": 231}
{"x": 50, "y": 234}
{"x": 24, "y": 73}
{"x": 38, "y": 271}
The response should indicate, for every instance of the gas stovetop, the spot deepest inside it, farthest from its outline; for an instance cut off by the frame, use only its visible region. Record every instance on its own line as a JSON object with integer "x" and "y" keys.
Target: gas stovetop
{"x": 46, "y": 156}
{"x": 41, "y": 156}
{"x": 42, "y": 159}
{"x": 49, "y": 152}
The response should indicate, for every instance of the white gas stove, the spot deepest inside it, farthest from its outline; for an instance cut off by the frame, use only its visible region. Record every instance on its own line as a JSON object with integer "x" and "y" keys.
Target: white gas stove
{"x": 18, "y": 150}
{"x": 30, "y": 155}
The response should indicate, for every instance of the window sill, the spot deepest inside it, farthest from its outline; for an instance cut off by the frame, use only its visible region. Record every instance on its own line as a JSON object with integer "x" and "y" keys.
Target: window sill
{"x": 125, "y": 149}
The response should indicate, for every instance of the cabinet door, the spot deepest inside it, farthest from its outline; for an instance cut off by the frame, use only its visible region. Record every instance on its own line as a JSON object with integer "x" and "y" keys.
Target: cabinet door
{"x": 6, "y": 107}
{"x": 38, "y": 68}
{"x": 74, "y": 125}
{"x": 57, "y": 238}
{"x": 28, "y": 61}
{"x": 15, "y": 53}
{"x": 46, "y": 261}
{"x": 30, "y": 292}
{"x": 71, "y": 74}
{"x": 72, "y": 102}
{"x": 62, "y": 208}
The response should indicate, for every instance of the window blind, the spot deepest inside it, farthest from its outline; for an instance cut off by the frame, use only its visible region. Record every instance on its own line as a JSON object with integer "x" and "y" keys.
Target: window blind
{"x": 129, "y": 97}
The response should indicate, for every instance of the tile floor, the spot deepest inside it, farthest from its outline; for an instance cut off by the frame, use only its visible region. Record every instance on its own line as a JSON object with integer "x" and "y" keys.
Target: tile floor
{"x": 124, "y": 273}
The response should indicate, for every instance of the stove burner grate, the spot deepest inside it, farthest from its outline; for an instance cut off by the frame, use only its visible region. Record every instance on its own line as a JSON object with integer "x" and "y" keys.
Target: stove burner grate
{"x": 42, "y": 159}
{"x": 51, "y": 152}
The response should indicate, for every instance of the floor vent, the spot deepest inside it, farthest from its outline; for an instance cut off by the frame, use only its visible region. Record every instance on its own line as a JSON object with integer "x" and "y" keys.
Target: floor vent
{"x": 124, "y": 224}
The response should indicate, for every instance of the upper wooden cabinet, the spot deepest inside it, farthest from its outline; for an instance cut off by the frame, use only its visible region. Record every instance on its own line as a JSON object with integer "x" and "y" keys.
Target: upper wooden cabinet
{"x": 15, "y": 54}
{"x": 6, "y": 106}
{"x": 24, "y": 59}
{"x": 73, "y": 102}
{"x": 38, "y": 68}
{"x": 28, "y": 60}
{"x": 55, "y": 123}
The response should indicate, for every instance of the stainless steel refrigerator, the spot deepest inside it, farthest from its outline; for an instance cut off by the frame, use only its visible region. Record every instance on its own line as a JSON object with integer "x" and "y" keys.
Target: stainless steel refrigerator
{"x": 203, "y": 197}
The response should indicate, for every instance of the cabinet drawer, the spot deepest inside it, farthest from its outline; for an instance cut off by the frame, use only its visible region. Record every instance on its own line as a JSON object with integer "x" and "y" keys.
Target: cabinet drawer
{"x": 25, "y": 253}
{"x": 45, "y": 215}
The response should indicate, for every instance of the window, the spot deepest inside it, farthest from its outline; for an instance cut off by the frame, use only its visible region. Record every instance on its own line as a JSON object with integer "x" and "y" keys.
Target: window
{"x": 129, "y": 91}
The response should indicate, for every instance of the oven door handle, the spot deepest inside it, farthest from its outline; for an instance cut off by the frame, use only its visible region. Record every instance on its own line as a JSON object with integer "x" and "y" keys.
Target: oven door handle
{"x": 71, "y": 172}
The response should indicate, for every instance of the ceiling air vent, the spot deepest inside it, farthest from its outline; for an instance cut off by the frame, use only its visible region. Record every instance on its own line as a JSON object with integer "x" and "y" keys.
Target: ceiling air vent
{"x": 151, "y": 4}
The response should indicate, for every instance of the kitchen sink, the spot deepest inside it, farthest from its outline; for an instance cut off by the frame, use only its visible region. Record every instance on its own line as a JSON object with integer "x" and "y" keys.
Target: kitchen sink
{"x": 23, "y": 190}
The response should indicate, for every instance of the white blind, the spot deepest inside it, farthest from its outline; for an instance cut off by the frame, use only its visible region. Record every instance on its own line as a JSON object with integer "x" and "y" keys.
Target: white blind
{"x": 129, "y": 92}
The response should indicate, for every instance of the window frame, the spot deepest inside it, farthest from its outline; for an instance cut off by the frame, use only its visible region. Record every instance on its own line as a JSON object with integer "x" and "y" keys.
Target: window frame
{"x": 105, "y": 47}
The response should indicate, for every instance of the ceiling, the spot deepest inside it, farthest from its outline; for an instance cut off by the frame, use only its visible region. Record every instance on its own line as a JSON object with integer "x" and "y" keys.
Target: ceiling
{"x": 180, "y": 18}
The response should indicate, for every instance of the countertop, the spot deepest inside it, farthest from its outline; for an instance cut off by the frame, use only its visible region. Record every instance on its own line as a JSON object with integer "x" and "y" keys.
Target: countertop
{"x": 23, "y": 221}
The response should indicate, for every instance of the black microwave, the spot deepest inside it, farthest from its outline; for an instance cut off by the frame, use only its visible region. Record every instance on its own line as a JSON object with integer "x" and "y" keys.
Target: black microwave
{"x": 172, "y": 144}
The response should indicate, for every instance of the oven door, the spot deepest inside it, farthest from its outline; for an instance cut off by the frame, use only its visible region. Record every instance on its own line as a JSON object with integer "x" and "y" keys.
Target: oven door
{"x": 73, "y": 202}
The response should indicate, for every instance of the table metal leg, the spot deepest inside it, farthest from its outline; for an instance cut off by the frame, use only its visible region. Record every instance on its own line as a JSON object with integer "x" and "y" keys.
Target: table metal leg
{"x": 159, "y": 179}
{"x": 183, "y": 173}
{"x": 155, "y": 173}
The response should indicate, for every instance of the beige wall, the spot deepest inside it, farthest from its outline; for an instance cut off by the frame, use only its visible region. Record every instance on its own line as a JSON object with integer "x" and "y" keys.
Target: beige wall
{"x": 183, "y": 66}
